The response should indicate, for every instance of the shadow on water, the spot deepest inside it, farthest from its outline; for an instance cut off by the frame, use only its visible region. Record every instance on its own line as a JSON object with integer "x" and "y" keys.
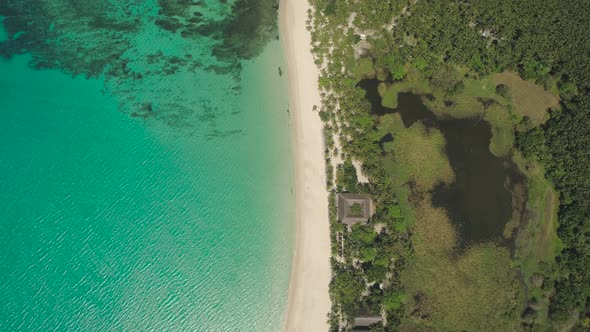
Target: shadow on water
{"x": 387, "y": 138}
{"x": 411, "y": 108}
{"x": 479, "y": 201}
{"x": 371, "y": 87}
{"x": 409, "y": 114}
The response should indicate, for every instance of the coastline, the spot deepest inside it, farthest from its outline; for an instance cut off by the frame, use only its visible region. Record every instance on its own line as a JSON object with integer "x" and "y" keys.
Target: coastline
{"x": 308, "y": 300}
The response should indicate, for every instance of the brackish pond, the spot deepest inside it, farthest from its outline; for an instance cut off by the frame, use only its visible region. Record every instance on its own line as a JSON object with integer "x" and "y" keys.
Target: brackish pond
{"x": 479, "y": 201}
{"x": 371, "y": 87}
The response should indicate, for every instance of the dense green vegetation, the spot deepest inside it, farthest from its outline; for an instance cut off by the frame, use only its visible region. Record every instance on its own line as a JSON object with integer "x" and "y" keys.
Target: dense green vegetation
{"x": 346, "y": 178}
{"x": 562, "y": 145}
{"x": 465, "y": 55}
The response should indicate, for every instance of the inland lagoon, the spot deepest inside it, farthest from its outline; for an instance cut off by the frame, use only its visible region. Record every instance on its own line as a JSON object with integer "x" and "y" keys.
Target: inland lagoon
{"x": 145, "y": 167}
{"x": 479, "y": 200}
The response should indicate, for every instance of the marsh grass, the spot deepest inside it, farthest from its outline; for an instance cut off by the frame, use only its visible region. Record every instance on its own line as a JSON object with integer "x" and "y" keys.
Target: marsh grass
{"x": 473, "y": 290}
{"x": 503, "y": 138}
{"x": 418, "y": 155}
{"x": 414, "y": 83}
{"x": 476, "y": 289}
{"x": 479, "y": 100}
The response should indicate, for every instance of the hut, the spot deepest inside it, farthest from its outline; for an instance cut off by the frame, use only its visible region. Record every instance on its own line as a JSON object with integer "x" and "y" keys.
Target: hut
{"x": 354, "y": 208}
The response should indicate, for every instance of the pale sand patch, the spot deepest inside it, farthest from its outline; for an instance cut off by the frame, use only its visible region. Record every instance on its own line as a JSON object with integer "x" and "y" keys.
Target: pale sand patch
{"x": 309, "y": 301}
{"x": 361, "y": 177}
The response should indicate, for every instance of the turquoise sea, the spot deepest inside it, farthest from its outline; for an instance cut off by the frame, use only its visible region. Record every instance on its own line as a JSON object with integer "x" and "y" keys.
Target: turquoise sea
{"x": 145, "y": 171}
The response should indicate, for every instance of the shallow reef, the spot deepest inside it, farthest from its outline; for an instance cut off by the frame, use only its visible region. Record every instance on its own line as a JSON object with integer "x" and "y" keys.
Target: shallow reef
{"x": 141, "y": 48}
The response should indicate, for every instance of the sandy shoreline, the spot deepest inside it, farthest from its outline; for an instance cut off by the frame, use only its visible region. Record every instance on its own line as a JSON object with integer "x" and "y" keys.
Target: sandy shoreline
{"x": 309, "y": 301}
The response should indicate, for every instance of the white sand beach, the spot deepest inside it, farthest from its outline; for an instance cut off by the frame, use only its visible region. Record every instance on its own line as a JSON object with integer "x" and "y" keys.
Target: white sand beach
{"x": 309, "y": 301}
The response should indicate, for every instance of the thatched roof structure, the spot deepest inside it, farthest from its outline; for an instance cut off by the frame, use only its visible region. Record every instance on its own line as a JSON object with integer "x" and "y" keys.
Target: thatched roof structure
{"x": 354, "y": 208}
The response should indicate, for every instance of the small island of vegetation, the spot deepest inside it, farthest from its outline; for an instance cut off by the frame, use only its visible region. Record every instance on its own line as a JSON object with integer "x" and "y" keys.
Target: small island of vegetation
{"x": 468, "y": 124}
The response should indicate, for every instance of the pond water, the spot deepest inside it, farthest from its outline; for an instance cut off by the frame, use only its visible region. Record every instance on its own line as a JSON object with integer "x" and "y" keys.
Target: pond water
{"x": 409, "y": 114}
{"x": 479, "y": 201}
{"x": 371, "y": 87}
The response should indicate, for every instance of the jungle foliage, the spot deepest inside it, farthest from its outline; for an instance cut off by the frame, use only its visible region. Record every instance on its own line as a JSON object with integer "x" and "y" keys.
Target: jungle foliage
{"x": 446, "y": 45}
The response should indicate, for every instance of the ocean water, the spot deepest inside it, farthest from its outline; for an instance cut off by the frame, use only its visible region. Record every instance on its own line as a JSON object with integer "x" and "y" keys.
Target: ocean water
{"x": 145, "y": 171}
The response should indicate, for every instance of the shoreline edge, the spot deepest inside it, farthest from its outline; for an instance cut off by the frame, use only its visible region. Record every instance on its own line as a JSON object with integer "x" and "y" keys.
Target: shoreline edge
{"x": 308, "y": 302}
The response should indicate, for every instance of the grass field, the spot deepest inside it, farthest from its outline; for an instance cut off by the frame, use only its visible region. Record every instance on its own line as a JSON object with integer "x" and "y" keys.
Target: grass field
{"x": 528, "y": 98}
{"x": 538, "y": 242}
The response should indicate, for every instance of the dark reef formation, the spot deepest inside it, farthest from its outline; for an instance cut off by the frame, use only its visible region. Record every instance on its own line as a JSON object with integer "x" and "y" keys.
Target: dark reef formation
{"x": 243, "y": 34}
{"x": 74, "y": 37}
{"x": 122, "y": 43}
{"x": 88, "y": 37}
